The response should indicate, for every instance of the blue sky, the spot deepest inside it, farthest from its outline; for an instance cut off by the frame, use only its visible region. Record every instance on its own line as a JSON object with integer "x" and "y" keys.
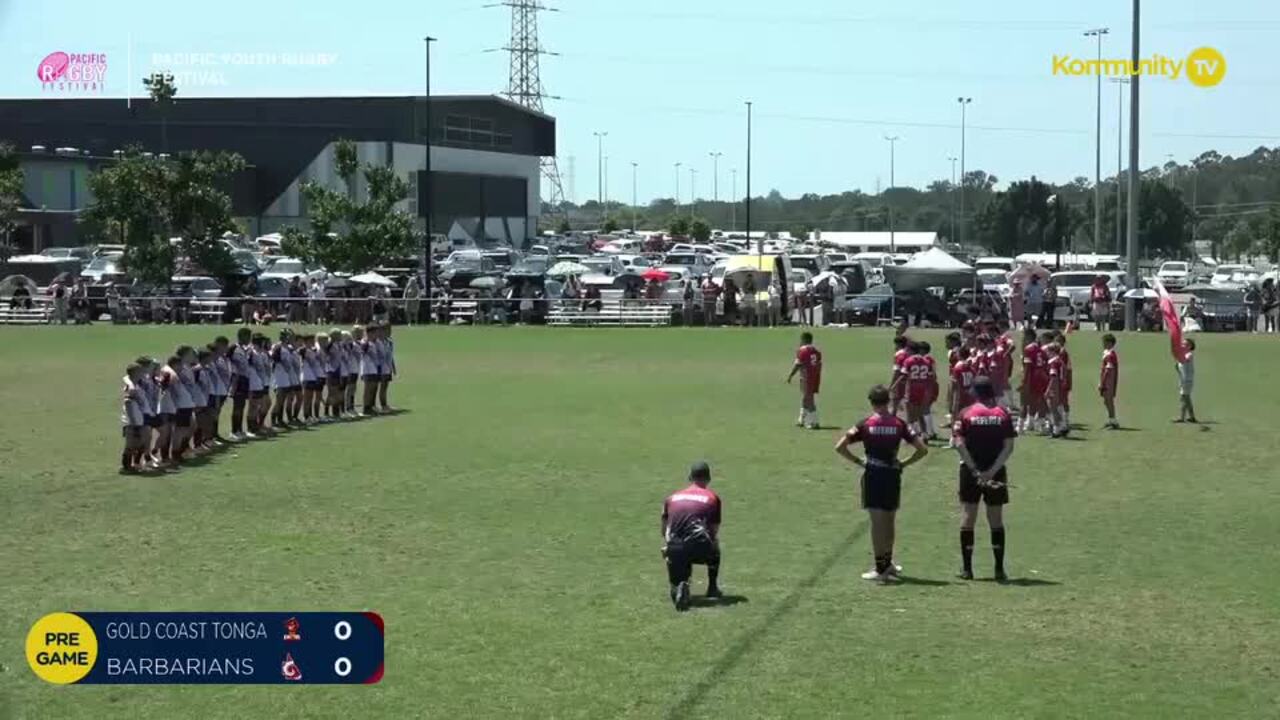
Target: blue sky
{"x": 667, "y": 78}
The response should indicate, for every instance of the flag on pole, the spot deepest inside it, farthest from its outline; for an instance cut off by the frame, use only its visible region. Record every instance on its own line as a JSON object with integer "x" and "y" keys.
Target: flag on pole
{"x": 1172, "y": 322}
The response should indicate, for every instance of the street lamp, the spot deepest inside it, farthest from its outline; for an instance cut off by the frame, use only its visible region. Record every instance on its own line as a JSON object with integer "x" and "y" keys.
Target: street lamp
{"x": 964, "y": 104}
{"x": 733, "y": 207}
{"x": 1097, "y": 159}
{"x": 424, "y": 192}
{"x": 953, "y": 160}
{"x": 715, "y": 176}
{"x": 635, "y": 224}
{"x": 678, "y": 165}
{"x": 1120, "y": 83}
{"x": 693, "y": 192}
{"x": 760, "y": 242}
{"x": 600, "y": 136}
{"x": 893, "y": 141}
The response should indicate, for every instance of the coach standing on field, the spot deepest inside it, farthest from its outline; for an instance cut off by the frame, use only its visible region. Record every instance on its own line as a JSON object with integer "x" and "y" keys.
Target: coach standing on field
{"x": 690, "y": 534}
{"x": 984, "y": 434}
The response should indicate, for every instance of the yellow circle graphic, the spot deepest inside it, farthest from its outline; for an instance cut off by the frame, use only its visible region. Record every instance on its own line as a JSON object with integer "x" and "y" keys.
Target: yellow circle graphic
{"x": 1206, "y": 67}
{"x": 61, "y": 648}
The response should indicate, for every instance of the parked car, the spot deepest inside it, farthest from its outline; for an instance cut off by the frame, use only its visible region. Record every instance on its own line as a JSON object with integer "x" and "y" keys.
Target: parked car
{"x": 605, "y": 265}
{"x": 698, "y": 264}
{"x": 879, "y": 302}
{"x": 464, "y": 266}
{"x": 634, "y": 264}
{"x": 813, "y": 263}
{"x": 1222, "y": 309}
{"x": 82, "y": 254}
{"x": 1175, "y": 274}
{"x": 854, "y": 274}
{"x": 1233, "y": 276}
{"x": 103, "y": 267}
{"x": 290, "y": 268}
{"x": 503, "y": 258}
{"x": 1075, "y": 287}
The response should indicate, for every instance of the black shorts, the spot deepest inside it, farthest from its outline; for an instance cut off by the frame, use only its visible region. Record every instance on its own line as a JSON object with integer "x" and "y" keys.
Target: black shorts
{"x": 332, "y": 379}
{"x": 881, "y": 488}
{"x": 153, "y": 421}
{"x": 164, "y": 419}
{"x": 212, "y": 404}
{"x": 372, "y": 378}
{"x": 240, "y": 387}
{"x": 971, "y": 493}
{"x": 258, "y": 394}
{"x": 386, "y": 377}
{"x": 182, "y": 418}
{"x": 131, "y": 432}
{"x": 314, "y": 384}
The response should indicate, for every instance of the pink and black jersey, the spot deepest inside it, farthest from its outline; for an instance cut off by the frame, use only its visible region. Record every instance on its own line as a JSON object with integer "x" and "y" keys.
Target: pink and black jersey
{"x": 983, "y": 430}
{"x": 691, "y": 514}
{"x": 882, "y": 436}
{"x": 809, "y": 358}
{"x": 1110, "y": 367}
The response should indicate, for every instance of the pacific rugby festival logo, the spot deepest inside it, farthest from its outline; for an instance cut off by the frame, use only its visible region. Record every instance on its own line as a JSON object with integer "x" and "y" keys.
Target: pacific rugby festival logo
{"x": 73, "y": 72}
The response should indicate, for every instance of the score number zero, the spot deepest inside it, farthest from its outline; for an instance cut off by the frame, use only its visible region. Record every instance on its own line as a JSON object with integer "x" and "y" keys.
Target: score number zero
{"x": 342, "y": 631}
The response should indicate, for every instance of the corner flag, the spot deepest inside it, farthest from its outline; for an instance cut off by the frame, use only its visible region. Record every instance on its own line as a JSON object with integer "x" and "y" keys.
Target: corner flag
{"x": 1172, "y": 322}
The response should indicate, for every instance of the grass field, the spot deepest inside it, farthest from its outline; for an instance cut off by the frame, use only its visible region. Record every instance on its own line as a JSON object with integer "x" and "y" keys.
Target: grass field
{"x": 506, "y": 527}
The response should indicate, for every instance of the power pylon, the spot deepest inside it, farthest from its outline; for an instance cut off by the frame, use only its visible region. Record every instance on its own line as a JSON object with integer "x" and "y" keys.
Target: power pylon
{"x": 524, "y": 85}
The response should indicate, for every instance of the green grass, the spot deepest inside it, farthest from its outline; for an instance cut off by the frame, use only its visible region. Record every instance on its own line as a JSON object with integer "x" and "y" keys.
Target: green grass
{"x": 507, "y": 529}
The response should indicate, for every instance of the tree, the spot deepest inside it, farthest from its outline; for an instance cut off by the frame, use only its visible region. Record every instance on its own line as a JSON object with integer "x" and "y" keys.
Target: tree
{"x": 700, "y": 230}
{"x": 143, "y": 201}
{"x": 351, "y": 235}
{"x": 10, "y": 197}
{"x": 801, "y": 231}
{"x": 1241, "y": 241}
{"x": 564, "y": 228}
{"x": 610, "y": 225}
{"x": 678, "y": 225}
{"x": 162, "y": 91}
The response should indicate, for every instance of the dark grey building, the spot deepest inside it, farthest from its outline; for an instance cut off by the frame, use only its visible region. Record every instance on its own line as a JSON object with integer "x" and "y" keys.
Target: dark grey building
{"x": 485, "y": 154}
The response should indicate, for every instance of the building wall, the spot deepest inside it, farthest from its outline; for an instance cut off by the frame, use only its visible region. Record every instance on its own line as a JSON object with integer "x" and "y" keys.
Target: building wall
{"x": 408, "y": 159}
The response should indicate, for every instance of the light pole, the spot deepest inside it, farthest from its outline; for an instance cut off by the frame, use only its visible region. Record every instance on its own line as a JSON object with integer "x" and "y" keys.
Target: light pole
{"x": 1120, "y": 83}
{"x": 964, "y": 105}
{"x": 424, "y": 192}
{"x": 1130, "y": 309}
{"x": 715, "y": 176}
{"x": 760, "y": 242}
{"x": 953, "y": 160}
{"x": 1097, "y": 155}
{"x": 693, "y": 192}
{"x": 635, "y": 204}
{"x": 733, "y": 207}
{"x": 893, "y": 141}
{"x": 600, "y": 136}
{"x": 677, "y": 212}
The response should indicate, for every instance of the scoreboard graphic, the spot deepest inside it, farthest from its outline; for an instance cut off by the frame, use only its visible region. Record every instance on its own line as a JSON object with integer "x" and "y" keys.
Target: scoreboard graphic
{"x": 233, "y": 648}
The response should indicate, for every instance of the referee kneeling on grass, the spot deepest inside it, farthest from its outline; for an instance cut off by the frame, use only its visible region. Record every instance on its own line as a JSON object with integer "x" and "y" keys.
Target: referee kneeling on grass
{"x": 690, "y": 531}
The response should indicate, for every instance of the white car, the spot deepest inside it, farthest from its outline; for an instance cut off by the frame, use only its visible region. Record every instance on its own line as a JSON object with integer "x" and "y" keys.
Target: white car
{"x": 290, "y": 268}
{"x": 103, "y": 266}
{"x": 1174, "y": 274}
{"x": 1075, "y": 286}
{"x": 696, "y": 263}
{"x": 800, "y": 279}
{"x": 610, "y": 265}
{"x": 634, "y": 264}
{"x": 995, "y": 280}
{"x": 1233, "y": 276}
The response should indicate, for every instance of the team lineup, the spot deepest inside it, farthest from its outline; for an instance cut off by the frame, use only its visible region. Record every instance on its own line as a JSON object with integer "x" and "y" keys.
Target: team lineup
{"x": 983, "y": 426}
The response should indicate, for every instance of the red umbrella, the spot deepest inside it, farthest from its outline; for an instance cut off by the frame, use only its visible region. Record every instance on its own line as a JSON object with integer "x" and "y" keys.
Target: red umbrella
{"x": 655, "y": 274}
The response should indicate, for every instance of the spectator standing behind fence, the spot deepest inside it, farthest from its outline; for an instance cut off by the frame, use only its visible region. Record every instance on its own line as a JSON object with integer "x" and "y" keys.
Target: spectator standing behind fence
{"x": 689, "y": 298}
{"x": 710, "y": 291}
{"x": 761, "y": 300}
{"x": 1049, "y": 306}
{"x": 1100, "y": 297}
{"x": 1270, "y": 305}
{"x": 749, "y": 301}
{"x": 315, "y": 301}
{"x": 59, "y": 293}
{"x": 730, "y": 301}
{"x": 248, "y": 301}
{"x": 1033, "y": 298}
{"x": 1252, "y": 306}
{"x": 775, "y": 304}
{"x": 80, "y": 301}
{"x": 1017, "y": 307}
{"x": 297, "y": 296}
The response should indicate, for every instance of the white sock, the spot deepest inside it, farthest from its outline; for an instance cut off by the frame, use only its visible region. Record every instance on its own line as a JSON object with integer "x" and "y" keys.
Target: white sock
{"x": 813, "y": 418}
{"x": 804, "y": 417}
{"x": 928, "y": 424}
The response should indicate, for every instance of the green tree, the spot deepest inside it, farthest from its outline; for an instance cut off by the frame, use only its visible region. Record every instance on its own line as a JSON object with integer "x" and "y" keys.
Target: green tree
{"x": 162, "y": 91}
{"x": 351, "y": 235}
{"x": 610, "y": 225}
{"x": 564, "y": 228}
{"x": 678, "y": 225}
{"x": 10, "y": 197}
{"x": 1241, "y": 241}
{"x": 700, "y": 230}
{"x": 800, "y": 231}
{"x": 143, "y": 201}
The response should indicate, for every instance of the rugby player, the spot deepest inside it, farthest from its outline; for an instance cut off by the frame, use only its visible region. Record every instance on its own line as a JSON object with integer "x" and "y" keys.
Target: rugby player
{"x": 915, "y": 371}
{"x": 691, "y": 535}
{"x": 897, "y": 382}
{"x": 1060, "y": 339}
{"x": 1054, "y": 392}
{"x": 984, "y": 433}
{"x": 1186, "y": 383}
{"x": 809, "y": 364}
{"x": 881, "y": 434}
{"x": 1109, "y": 383}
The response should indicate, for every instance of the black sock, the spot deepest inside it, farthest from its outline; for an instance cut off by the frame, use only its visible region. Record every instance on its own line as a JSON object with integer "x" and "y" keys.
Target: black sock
{"x": 713, "y": 575}
{"x": 966, "y": 549}
{"x": 997, "y": 548}
{"x": 883, "y": 562}
{"x": 126, "y": 460}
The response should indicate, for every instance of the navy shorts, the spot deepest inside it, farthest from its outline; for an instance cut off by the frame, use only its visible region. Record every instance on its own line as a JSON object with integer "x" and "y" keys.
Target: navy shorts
{"x": 971, "y": 493}
{"x": 240, "y": 387}
{"x": 881, "y": 488}
{"x": 182, "y": 418}
{"x": 153, "y": 421}
{"x": 315, "y": 384}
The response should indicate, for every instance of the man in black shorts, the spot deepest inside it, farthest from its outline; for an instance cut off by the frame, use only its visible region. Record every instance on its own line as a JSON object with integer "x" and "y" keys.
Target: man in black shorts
{"x": 881, "y": 434}
{"x": 691, "y": 535}
{"x": 984, "y": 434}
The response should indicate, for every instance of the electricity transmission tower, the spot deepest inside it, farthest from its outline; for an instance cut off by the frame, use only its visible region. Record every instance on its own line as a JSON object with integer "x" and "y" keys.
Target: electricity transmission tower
{"x": 524, "y": 85}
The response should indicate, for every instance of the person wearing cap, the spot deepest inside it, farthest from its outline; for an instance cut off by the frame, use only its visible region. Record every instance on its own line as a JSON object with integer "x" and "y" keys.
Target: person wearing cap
{"x": 691, "y": 535}
{"x": 881, "y": 434}
{"x": 984, "y": 433}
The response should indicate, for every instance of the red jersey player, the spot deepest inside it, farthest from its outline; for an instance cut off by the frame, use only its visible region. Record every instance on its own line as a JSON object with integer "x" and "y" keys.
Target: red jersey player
{"x": 881, "y": 434}
{"x": 809, "y": 364}
{"x": 962, "y": 377}
{"x": 898, "y": 382}
{"x": 1054, "y": 390}
{"x": 931, "y": 431}
{"x": 1109, "y": 383}
{"x": 916, "y": 371}
{"x": 691, "y": 535}
{"x": 1033, "y": 382}
{"x": 984, "y": 433}
{"x": 1060, "y": 339}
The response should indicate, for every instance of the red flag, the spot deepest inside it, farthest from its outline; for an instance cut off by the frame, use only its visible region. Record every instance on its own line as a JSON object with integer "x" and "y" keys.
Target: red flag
{"x": 1171, "y": 322}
